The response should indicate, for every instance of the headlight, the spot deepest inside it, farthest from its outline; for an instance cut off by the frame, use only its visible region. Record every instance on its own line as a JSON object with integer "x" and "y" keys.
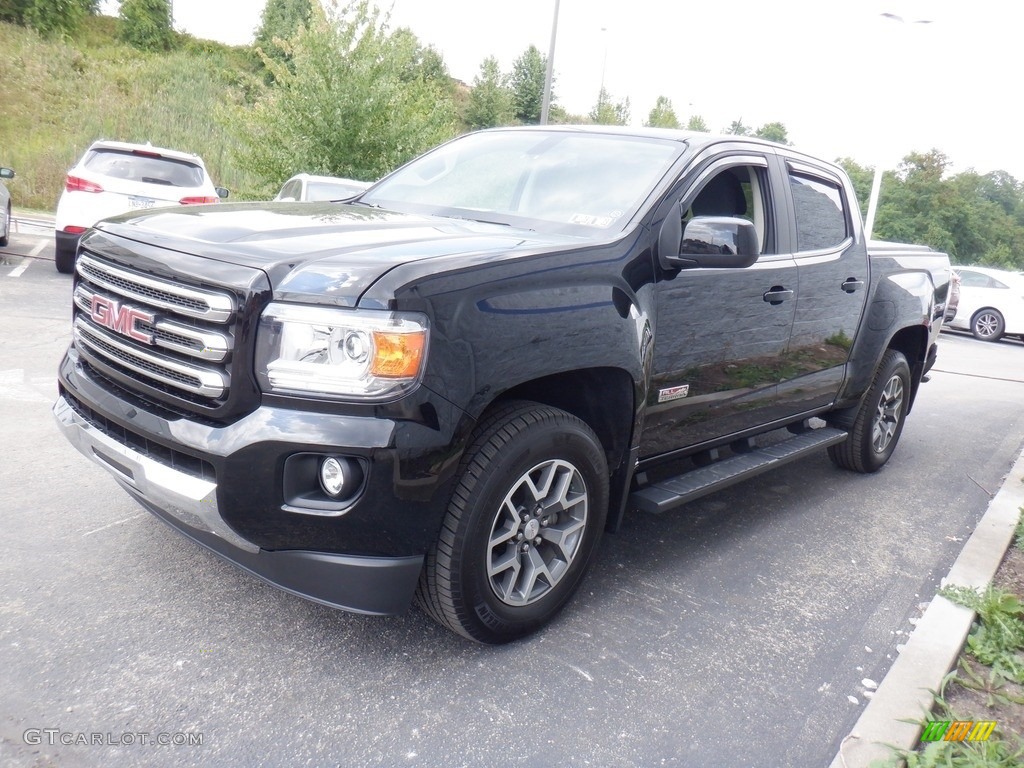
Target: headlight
{"x": 344, "y": 353}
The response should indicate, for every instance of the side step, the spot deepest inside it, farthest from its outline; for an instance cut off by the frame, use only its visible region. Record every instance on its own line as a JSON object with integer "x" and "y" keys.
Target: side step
{"x": 670, "y": 493}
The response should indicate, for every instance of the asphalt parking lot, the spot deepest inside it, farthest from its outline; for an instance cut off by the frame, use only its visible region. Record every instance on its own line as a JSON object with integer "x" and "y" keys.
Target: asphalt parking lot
{"x": 739, "y": 631}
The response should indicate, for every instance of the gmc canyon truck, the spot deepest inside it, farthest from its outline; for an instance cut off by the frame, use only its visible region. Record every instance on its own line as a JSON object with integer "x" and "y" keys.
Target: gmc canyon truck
{"x": 448, "y": 387}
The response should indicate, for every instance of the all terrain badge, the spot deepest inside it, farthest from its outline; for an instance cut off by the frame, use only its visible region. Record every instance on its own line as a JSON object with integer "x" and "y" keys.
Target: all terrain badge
{"x": 673, "y": 393}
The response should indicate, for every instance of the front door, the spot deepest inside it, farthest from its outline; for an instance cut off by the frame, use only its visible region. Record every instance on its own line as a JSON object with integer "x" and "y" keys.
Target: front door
{"x": 721, "y": 335}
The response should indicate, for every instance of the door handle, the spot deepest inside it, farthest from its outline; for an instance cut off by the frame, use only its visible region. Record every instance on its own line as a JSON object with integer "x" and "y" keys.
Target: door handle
{"x": 777, "y": 294}
{"x": 852, "y": 284}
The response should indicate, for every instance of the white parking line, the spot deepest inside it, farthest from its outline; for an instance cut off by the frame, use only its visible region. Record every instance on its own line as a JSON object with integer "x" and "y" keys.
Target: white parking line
{"x": 39, "y": 246}
{"x": 17, "y": 271}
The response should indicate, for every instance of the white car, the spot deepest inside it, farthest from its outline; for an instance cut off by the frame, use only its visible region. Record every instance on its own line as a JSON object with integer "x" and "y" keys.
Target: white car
{"x": 114, "y": 177}
{"x": 5, "y": 207}
{"x": 991, "y": 303}
{"x": 305, "y": 186}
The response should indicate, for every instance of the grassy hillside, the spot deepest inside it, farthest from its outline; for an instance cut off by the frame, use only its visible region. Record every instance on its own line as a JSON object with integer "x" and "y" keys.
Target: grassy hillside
{"x": 60, "y": 95}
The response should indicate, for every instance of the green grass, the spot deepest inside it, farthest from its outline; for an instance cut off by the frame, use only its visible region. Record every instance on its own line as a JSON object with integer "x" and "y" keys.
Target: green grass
{"x": 987, "y": 682}
{"x": 61, "y": 95}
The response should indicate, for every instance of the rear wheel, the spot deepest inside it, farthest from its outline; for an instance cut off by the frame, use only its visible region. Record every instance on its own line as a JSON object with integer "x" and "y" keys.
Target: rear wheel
{"x": 64, "y": 258}
{"x": 522, "y": 525}
{"x": 875, "y": 427}
{"x": 987, "y": 325}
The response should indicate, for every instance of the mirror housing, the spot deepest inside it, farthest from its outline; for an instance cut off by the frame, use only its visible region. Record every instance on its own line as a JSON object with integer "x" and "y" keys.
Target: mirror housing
{"x": 6, "y": 173}
{"x": 222, "y": 192}
{"x": 716, "y": 242}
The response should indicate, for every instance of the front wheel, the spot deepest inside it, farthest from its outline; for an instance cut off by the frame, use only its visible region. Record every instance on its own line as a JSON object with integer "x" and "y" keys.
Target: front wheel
{"x": 875, "y": 427}
{"x": 988, "y": 325}
{"x": 522, "y": 525}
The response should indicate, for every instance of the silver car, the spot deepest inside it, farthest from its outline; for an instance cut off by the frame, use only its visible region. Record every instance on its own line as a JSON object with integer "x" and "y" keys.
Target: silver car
{"x": 305, "y": 186}
{"x": 5, "y": 207}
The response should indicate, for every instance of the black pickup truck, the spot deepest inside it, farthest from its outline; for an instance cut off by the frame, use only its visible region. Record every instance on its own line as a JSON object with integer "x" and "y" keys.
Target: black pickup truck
{"x": 449, "y": 386}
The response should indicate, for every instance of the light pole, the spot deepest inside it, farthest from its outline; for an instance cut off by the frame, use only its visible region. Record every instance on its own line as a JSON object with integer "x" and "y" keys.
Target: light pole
{"x": 876, "y": 182}
{"x": 546, "y": 104}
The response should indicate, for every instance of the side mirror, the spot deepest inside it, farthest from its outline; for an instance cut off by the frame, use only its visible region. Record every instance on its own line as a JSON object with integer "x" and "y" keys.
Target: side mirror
{"x": 6, "y": 173}
{"x": 222, "y": 192}
{"x": 717, "y": 242}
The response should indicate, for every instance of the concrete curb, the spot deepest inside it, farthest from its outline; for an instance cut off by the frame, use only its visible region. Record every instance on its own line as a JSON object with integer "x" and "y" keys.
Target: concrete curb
{"x": 905, "y": 693}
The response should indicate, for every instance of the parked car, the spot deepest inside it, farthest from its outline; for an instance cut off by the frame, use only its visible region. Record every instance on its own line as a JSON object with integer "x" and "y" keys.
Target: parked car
{"x": 114, "y": 177}
{"x": 304, "y": 186}
{"x": 991, "y": 303}
{"x": 5, "y": 207}
{"x": 453, "y": 386}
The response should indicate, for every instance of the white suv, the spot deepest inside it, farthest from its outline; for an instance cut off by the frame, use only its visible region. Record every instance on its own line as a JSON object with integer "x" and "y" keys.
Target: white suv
{"x": 114, "y": 177}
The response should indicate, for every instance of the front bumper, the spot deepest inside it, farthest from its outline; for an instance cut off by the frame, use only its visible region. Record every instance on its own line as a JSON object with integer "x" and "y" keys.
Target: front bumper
{"x": 373, "y": 585}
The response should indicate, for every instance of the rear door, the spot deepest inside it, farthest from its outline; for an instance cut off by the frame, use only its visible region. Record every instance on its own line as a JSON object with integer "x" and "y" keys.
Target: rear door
{"x": 832, "y": 262}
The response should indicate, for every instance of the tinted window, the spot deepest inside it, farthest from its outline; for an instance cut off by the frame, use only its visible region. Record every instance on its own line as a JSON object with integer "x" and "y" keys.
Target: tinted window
{"x": 820, "y": 216}
{"x": 149, "y": 169}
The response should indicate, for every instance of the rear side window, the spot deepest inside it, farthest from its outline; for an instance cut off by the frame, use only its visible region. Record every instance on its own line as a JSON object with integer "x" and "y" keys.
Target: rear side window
{"x": 820, "y": 213}
{"x": 145, "y": 168}
{"x": 978, "y": 280}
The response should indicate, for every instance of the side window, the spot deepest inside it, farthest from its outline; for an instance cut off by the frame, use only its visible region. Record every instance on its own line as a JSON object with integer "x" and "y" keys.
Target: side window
{"x": 973, "y": 279}
{"x": 978, "y": 280}
{"x": 739, "y": 191}
{"x": 820, "y": 212}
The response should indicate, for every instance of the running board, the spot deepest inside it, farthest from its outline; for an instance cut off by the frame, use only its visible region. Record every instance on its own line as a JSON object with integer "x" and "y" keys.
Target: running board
{"x": 670, "y": 493}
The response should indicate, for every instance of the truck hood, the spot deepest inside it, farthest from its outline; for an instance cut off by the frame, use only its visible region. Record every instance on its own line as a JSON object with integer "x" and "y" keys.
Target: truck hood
{"x": 324, "y": 252}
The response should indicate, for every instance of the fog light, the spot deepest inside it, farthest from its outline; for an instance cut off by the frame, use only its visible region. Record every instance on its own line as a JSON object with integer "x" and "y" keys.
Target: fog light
{"x": 332, "y": 477}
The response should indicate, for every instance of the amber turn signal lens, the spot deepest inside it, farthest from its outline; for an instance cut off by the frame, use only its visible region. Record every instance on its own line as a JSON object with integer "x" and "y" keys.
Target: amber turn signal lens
{"x": 397, "y": 355}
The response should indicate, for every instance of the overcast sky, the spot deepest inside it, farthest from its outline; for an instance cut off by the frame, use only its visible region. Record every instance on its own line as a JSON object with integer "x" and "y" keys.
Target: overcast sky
{"x": 845, "y": 80}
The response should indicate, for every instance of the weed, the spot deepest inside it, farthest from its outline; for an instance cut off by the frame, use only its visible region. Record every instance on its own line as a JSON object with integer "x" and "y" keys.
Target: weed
{"x": 998, "y": 635}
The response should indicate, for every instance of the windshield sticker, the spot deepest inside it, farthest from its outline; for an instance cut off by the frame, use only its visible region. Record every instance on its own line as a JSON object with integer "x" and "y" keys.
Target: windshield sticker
{"x": 591, "y": 221}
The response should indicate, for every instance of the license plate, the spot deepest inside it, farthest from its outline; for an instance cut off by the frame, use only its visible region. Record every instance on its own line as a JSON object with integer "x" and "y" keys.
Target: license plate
{"x": 140, "y": 202}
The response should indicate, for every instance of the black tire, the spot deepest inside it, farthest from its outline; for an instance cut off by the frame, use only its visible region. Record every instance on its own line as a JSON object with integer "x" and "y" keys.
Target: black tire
{"x": 988, "y": 325}
{"x": 502, "y": 568}
{"x": 64, "y": 259}
{"x": 875, "y": 427}
{"x": 6, "y": 239}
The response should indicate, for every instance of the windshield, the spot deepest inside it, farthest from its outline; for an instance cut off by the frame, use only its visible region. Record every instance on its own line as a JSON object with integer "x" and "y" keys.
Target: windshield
{"x": 548, "y": 181}
{"x": 331, "y": 190}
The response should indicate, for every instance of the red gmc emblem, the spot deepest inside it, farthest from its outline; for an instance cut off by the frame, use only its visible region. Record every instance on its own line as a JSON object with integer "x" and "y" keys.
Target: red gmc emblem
{"x": 121, "y": 318}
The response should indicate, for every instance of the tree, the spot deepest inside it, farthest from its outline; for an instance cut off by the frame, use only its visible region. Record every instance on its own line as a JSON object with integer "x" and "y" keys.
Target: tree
{"x": 697, "y": 123}
{"x": 662, "y": 115}
{"x": 490, "y": 101}
{"x": 738, "y": 128}
{"x": 280, "y": 21}
{"x": 607, "y": 113}
{"x": 349, "y": 103}
{"x": 48, "y": 17}
{"x": 773, "y": 132}
{"x": 527, "y": 84}
{"x": 146, "y": 24}
{"x": 862, "y": 178}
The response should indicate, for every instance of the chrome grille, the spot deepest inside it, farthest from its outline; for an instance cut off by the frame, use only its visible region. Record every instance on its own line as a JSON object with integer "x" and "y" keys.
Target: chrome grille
{"x": 173, "y": 337}
{"x": 191, "y": 302}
